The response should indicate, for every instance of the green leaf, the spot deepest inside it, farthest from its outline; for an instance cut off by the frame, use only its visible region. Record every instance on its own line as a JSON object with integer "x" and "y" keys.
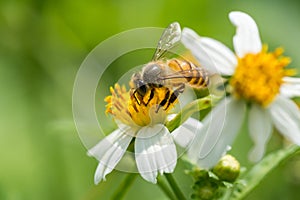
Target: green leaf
{"x": 252, "y": 179}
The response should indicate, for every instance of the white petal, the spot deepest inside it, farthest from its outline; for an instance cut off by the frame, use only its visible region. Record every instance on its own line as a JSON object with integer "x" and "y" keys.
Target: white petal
{"x": 292, "y": 80}
{"x": 246, "y": 39}
{"x": 219, "y": 130}
{"x": 109, "y": 152}
{"x": 155, "y": 152}
{"x": 291, "y": 87}
{"x": 185, "y": 134}
{"x": 286, "y": 118}
{"x": 211, "y": 54}
{"x": 260, "y": 129}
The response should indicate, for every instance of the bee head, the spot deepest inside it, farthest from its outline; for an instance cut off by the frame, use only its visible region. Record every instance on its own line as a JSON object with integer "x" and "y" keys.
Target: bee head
{"x": 152, "y": 73}
{"x": 139, "y": 84}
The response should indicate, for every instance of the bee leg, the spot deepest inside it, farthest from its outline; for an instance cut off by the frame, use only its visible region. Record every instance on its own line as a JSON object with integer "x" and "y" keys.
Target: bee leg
{"x": 164, "y": 101}
{"x": 140, "y": 93}
{"x": 151, "y": 96}
{"x": 170, "y": 97}
{"x": 138, "y": 97}
{"x": 175, "y": 94}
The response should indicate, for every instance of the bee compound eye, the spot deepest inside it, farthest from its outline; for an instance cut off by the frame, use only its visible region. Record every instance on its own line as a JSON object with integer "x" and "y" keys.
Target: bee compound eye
{"x": 140, "y": 83}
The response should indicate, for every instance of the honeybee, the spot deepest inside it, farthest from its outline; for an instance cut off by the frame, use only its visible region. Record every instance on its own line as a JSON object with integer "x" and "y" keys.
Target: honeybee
{"x": 174, "y": 73}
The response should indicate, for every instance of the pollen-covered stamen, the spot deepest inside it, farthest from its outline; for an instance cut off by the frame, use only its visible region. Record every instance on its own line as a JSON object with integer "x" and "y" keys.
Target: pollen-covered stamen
{"x": 258, "y": 77}
{"x": 117, "y": 104}
{"x": 141, "y": 110}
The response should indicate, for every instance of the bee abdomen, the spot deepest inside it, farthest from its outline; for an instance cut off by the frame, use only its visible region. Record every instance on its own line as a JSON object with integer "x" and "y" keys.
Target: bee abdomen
{"x": 195, "y": 76}
{"x": 179, "y": 65}
{"x": 200, "y": 79}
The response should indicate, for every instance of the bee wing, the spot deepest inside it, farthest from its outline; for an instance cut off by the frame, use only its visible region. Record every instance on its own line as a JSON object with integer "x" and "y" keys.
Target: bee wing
{"x": 189, "y": 73}
{"x": 170, "y": 37}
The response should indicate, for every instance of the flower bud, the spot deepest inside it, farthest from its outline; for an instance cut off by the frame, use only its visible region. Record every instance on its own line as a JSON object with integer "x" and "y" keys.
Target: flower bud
{"x": 227, "y": 169}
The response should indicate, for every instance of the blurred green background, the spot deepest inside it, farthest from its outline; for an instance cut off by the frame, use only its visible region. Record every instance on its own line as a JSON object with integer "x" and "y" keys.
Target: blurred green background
{"x": 43, "y": 43}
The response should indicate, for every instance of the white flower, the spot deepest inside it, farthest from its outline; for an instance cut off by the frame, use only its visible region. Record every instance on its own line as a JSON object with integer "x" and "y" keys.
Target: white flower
{"x": 257, "y": 78}
{"x": 155, "y": 151}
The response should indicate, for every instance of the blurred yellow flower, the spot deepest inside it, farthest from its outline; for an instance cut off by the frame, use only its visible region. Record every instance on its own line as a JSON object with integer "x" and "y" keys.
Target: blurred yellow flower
{"x": 257, "y": 78}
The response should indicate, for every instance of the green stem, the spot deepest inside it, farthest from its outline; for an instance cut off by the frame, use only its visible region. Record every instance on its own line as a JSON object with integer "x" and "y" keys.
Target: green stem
{"x": 189, "y": 109}
{"x": 165, "y": 188}
{"x": 124, "y": 186}
{"x": 175, "y": 187}
{"x": 252, "y": 179}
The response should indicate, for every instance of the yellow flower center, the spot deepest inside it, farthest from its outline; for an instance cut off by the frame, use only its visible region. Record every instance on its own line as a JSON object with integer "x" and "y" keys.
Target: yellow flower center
{"x": 136, "y": 110}
{"x": 258, "y": 77}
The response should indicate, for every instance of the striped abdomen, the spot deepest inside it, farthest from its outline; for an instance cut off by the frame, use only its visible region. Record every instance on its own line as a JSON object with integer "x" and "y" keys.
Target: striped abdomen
{"x": 194, "y": 76}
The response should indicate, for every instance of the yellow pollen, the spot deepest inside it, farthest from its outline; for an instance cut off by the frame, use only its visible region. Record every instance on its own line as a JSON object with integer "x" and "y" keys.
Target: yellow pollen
{"x": 134, "y": 110}
{"x": 258, "y": 77}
